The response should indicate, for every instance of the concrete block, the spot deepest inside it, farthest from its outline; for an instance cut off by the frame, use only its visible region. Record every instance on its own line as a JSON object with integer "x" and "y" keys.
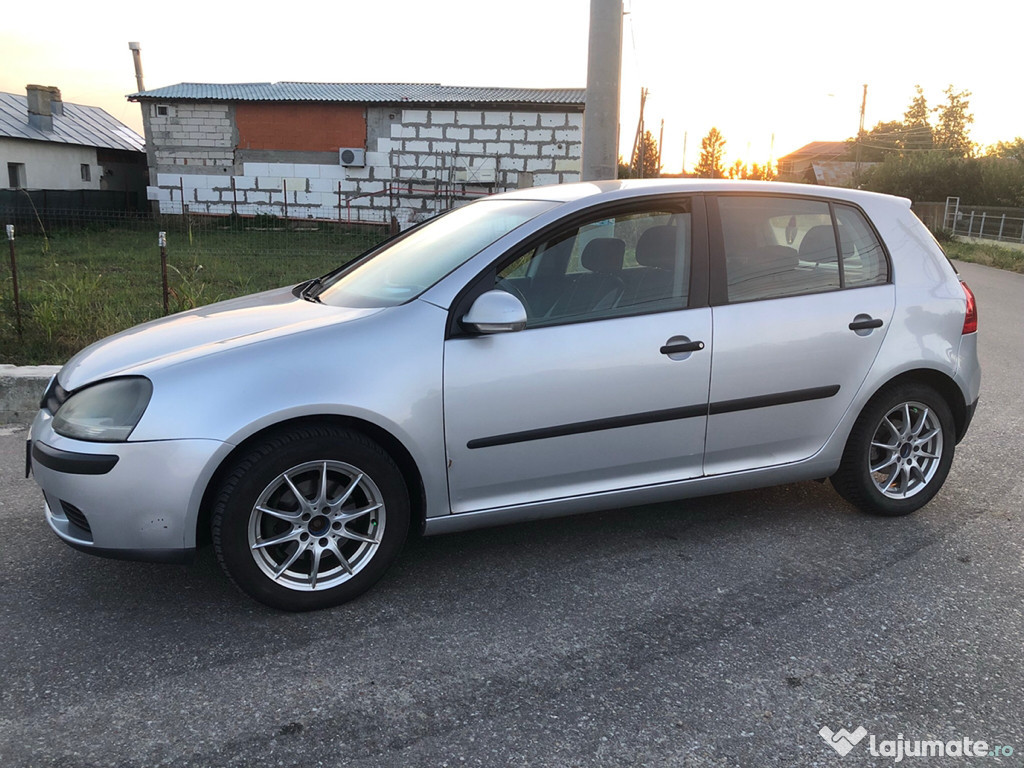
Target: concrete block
{"x": 497, "y": 148}
{"x": 459, "y": 134}
{"x": 527, "y": 119}
{"x": 543, "y": 179}
{"x": 399, "y": 131}
{"x": 167, "y": 179}
{"x": 307, "y": 170}
{"x": 553, "y": 150}
{"x": 441, "y": 147}
{"x": 243, "y": 182}
{"x": 485, "y": 134}
{"x": 294, "y": 184}
{"x": 208, "y": 196}
{"x": 567, "y": 166}
{"x": 357, "y": 173}
{"x": 378, "y": 158}
{"x": 497, "y": 118}
{"x": 567, "y": 134}
{"x": 431, "y": 132}
{"x": 471, "y": 148}
{"x": 21, "y": 387}
{"x": 511, "y": 164}
{"x": 513, "y": 134}
{"x": 388, "y": 145}
{"x": 155, "y": 193}
{"x": 575, "y": 120}
{"x": 525, "y": 150}
{"x": 442, "y": 116}
{"x": 553, "y": 119}
{"x": 171, "y": 207}
{"x": 463, "y": 117}
{"x": 335, "y": 172}
{"x": 540, "y": 135}
{"x": 416, "y": 146}
{"x": 543, "y": 165}
{"x": 281, "y": 169}
{"x": 257, "y": 197}
{"x": 415, "y": 116}
{"x": 269, "y": 182}
{"x": 306, "y": 198}
{"x": 323, "y": 185}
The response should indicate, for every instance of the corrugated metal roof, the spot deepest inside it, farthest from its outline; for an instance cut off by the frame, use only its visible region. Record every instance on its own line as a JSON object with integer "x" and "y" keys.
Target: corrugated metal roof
{"x": 80, "y": 124}
{"x": 363, "y": 93}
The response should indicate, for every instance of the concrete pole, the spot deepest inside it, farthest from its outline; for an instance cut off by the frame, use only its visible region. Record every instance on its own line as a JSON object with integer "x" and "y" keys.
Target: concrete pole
{"x": 604, "y": 71}
{"x": 136, "y": 50}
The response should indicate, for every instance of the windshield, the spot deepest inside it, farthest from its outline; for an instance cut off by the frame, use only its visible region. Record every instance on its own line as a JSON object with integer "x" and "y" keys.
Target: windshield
{"x": 404, "y": 268}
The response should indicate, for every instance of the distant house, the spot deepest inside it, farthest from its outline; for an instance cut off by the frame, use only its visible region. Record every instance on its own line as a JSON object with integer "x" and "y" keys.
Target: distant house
{"x": 796, "y": 166}
{"x": 49, "y": 144}
{"x": 353, "y": 150}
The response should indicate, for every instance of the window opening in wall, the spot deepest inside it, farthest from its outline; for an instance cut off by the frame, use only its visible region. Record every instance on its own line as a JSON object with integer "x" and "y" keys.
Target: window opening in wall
{"x": 86, "y": 172}
{"x": 162, "y": 110}
{"x": 16, "y": 175}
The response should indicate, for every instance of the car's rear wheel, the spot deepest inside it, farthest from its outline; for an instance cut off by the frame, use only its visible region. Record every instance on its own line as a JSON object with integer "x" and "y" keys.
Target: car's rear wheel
{"x": 899, "y": 452}
{"x": 310, "y": 518}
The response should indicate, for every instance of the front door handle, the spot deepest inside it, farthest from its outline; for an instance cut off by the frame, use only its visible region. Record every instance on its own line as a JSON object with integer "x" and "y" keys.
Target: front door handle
{"x": 865, "y": 323}
{"x": 681, "y": 347}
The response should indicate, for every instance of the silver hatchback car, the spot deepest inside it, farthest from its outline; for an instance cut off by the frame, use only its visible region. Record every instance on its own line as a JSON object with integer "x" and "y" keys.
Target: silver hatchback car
{"x": 544, "y": 352}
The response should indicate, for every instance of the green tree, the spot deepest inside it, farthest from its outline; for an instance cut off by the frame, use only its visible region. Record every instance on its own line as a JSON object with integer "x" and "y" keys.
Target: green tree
{"x": 1008, "y": 149}
{"x": 955, "y": 118}
{"x": 764, "y": 172}
{"x": 646, "y": 161}
{"x": 712, "y": 156}
{"x": 917, "y": 128}
{"x": 878, "y": 143}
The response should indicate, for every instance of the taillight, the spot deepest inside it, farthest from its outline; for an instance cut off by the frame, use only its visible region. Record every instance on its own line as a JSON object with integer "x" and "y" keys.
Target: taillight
{"x": 971, "y": 317}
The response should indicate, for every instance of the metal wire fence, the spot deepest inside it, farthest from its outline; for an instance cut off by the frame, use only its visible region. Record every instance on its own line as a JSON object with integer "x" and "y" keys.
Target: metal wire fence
{"x": 83, "y": 275}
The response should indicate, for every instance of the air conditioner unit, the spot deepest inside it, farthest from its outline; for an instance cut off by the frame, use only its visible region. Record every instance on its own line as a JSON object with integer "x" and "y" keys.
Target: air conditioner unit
{"x": 352, "y": 157}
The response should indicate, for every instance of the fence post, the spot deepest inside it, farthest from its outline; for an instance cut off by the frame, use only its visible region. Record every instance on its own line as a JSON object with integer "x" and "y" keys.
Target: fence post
{"x": 970, "y": 225}
{"x": 14, "y": 279}
{"x": 1002, "y": 223}
{"x": 161, "y": 240}
{"x": 981, "y": 229}
{"x": 284, "y": 186}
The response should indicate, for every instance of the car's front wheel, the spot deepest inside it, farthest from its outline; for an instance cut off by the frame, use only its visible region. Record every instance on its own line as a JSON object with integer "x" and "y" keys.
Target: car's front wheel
{"x": 899, "y": 452}
{"x": 310, "y": 518}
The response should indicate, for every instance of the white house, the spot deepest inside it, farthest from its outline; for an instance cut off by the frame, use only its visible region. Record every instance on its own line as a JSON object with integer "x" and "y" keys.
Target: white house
{"x": 48, "y": 144}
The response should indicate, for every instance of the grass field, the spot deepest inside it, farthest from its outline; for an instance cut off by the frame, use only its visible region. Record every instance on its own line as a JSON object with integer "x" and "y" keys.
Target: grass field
{"x": 988, "y": 253}
{"x": 79, "y": 286}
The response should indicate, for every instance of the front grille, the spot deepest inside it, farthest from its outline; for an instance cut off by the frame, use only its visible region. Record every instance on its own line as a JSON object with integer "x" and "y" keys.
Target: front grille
{"x": 75, "y": 515}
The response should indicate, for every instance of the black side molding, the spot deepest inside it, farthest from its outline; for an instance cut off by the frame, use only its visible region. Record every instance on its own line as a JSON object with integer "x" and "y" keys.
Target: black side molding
{"x": 781, "y": 398}
{"x": 72, "y": 463}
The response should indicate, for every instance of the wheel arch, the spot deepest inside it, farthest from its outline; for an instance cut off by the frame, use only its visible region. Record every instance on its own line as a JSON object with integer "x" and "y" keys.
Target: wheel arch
{"x": 392, "y": 445}
{"x": 942, "y": 383}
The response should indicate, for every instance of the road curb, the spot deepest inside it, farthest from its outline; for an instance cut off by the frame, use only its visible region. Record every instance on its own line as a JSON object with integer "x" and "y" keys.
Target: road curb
{"x": 21, "y": 387}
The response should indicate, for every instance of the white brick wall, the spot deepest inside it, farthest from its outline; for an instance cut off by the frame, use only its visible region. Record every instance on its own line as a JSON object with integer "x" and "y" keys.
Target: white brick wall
{"x": 421, "y": 150}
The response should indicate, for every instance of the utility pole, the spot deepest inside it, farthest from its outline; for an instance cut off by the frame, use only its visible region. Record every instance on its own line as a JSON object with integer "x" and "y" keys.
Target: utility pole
{"x": 860, "y": 132}
{"x": 661, "y": 138}
{"x": 636, "y": 157}
{"x": 604, "y": 72}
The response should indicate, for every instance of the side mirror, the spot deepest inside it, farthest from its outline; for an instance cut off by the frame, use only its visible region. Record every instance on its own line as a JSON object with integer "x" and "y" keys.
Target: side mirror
{"x": 495, "y": 312}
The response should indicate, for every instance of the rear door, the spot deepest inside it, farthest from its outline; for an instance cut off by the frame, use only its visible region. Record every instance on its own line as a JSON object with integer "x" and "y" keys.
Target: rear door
{"x": 796, "y": 326}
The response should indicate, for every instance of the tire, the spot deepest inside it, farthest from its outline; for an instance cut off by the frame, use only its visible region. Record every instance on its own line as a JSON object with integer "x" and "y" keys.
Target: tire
{"x": 310, "y": 518}
{"x": 899, "y": 452}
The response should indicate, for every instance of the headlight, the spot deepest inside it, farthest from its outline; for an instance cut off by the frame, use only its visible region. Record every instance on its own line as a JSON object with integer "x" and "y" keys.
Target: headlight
{"x": 106, "y": 412}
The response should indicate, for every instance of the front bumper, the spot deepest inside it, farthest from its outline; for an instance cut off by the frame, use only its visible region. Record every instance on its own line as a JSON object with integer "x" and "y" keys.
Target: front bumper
{"x": 136, "y": 501}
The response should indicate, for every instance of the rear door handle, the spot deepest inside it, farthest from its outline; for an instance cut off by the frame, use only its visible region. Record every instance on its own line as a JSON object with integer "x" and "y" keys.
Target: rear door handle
{"x": 680, "y": 347}
{"x": 865, "y": 323}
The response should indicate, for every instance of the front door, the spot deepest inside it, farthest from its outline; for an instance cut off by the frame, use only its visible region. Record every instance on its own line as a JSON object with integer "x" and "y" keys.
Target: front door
{"x": 606, "y": 388}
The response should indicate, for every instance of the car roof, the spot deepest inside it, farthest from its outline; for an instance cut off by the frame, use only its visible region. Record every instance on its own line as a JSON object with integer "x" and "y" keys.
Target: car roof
{"x": 595, "y": 191}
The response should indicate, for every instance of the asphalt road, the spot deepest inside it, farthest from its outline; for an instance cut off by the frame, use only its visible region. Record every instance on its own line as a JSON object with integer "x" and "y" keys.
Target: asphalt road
{"x": 724, "y": 631}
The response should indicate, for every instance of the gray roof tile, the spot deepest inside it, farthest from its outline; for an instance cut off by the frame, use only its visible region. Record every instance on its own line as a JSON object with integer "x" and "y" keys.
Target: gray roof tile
{"x": 80, "y": 124}
{"x": 364, "y": 93}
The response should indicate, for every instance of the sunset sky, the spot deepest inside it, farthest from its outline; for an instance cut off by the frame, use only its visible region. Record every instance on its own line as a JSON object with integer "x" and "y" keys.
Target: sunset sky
{"x": 790, "y": 68}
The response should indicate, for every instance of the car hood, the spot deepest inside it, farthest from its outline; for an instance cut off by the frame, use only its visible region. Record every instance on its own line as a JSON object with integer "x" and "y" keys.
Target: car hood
{"x": 200, "y": 332}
